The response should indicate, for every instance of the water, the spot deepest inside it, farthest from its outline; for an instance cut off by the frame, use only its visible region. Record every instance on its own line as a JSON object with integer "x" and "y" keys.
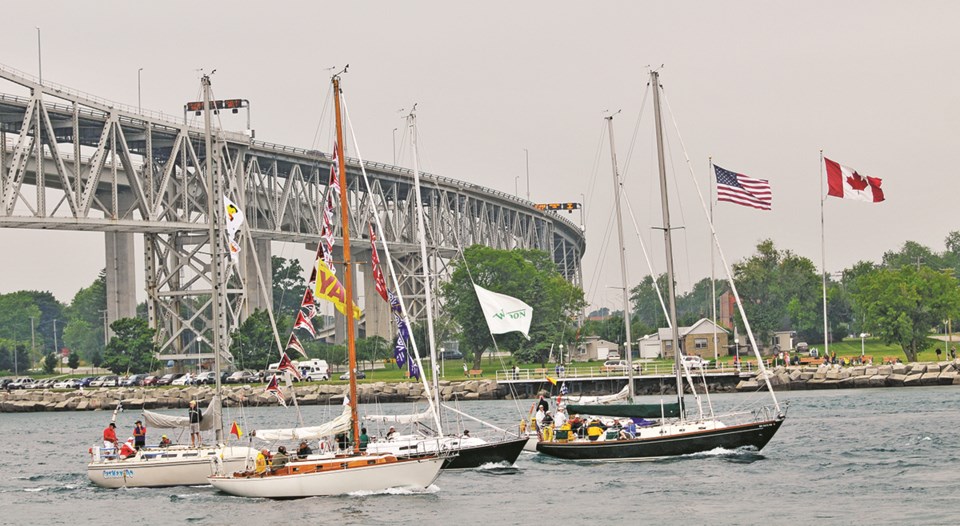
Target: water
{"x": 877, "y": 456}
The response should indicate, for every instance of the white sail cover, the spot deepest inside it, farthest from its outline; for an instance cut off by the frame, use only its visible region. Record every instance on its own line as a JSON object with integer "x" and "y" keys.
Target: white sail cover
{"x": 211, "y": 415}
{"x": 400, "y": 419}
{"x": 604, "y": 399}
{"x": 340, "y": 424}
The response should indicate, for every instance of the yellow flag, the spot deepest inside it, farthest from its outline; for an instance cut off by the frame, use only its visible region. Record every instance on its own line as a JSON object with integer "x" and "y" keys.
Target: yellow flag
{"x": 551, "y": 380}
{"x": 235, "y": 430}
{"x": 329, "y": 288}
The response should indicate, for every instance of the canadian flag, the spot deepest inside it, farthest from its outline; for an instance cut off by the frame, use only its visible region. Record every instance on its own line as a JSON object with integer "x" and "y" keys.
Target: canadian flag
{"x": 844, "y": 182}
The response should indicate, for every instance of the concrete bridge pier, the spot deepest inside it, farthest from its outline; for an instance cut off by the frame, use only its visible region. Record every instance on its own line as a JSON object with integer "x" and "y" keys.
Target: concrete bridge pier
{"x": 120, "y": 276}
{"x": 377, "y": 318}
{"x": 256, "y": 298}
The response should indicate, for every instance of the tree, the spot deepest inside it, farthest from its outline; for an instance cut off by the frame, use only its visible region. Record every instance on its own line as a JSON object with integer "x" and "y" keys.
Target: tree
{"x": 50, "y": 363}
{"x": 16, "y": 309}
{"x": 133, "y": 347}
{"x": 372, "y": 349}
{"x": 913, "y": 254}
{"x": 529, "y": 275}
{"x": 779, "y": 290}
{"x": 252, "y": 344}
{"x": 902, "y": 305}
{"x": 73, "y": 361}
{"x": 288, "y": 285}
{"x": 84, "y": 331}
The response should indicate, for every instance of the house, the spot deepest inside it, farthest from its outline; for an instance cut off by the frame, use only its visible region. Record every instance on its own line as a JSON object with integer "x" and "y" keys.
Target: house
{"x": 694, "y": 340}
{"x": 594, "y": 348}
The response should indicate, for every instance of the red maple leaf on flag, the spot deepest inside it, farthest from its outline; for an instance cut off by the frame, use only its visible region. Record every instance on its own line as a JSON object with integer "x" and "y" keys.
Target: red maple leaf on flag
{"x": 857, "y": 182}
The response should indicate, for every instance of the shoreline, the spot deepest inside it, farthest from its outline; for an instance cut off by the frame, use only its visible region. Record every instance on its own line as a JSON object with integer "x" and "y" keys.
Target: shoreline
{"x": 782, "y": 378}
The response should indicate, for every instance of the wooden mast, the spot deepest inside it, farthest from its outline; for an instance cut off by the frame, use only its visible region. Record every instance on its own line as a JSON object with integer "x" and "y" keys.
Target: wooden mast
{"x": 347, "y": 269}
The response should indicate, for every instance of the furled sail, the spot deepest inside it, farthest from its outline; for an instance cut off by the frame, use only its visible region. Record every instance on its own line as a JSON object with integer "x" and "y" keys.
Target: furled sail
{"x": 340, "y": 424}
{"x": 400, "y": 419}
{"x": 604, "y": 399}
{"x": 211, "y": 415}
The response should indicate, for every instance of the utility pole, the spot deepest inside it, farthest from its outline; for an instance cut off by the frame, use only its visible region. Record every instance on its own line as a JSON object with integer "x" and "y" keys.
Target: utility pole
{"x": 56, "y": 350}
{"x": 394, "y": 146}
{"x": 139, "y": 107}
{"x": 39, "y": 57}
{"x": 526, "y": 153}
{"x": 33, "y": 337}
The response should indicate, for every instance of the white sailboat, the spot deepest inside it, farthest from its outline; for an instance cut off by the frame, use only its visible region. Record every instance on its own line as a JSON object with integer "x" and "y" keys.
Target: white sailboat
{"x": 470, "y": 451}
{"x": 342, "y": 473}
{"x": 667, "y": 436}
{"x": 180, "y": 464}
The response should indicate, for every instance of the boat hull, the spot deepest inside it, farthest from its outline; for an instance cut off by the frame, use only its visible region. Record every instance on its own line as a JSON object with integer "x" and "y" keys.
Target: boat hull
{"x": 158, "y": 468}
{"x": 754, "y": 434}
{"x": 407, "y": 473}
{"x": 505, "y": 451}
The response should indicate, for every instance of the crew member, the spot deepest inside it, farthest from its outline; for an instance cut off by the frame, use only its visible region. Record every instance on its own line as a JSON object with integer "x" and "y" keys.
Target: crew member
{"x": 195, "y": 417}
{"x": 110, "y": 436}
{"x": 139, "y": 435}
{"x": 127, "y": 450}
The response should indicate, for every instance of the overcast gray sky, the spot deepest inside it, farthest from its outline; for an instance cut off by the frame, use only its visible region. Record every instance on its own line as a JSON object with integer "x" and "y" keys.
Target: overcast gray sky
{"x": 761, "y": 86}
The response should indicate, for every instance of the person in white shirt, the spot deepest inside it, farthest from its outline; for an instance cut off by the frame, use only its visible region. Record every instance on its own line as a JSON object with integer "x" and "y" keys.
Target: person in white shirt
{"x": 560, "y": 419}
{"x": 539, "y": 418}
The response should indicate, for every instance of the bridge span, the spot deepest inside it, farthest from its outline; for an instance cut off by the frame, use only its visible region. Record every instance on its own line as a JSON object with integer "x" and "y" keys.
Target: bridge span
{"x": 75, "y": 162}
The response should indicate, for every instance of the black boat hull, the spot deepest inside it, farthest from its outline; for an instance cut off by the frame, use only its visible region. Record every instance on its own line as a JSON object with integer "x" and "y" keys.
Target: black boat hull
{"x": 755, "y": 434}
{"x": 493, "y": 452}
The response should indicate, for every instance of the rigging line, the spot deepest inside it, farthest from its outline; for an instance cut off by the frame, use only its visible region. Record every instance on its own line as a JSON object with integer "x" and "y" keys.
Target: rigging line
{"x": 636, "y": 129}
{"x": 646, "y": 257}
{"x": 679, "y": 202}
{"x": 604, "y": 247}
{"x": 320, "y": 120}
{"x": 593, "y": 177}
{"x": 391, "y": 271}
{"x": 726, "y": 267}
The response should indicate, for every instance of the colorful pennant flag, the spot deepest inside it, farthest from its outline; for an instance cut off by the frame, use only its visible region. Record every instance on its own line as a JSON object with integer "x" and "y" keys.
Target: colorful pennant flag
{"x": 235, "y": 430}
{"x": 274, "y": 388}
{"x": 375, "y": 263}
{"x": 305, "y": 324}
{"x": 308, "y": 306}
{"x": 286, "y": 365}
{"x": 294, "y": 343}
{"x": 329, "y": 288}
{"x": 234, "y": 220}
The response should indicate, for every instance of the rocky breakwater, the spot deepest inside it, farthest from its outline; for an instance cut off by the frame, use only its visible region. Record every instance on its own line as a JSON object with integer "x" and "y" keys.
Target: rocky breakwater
{"x": 106, "y": 398}
{"x": 787, "y": 378}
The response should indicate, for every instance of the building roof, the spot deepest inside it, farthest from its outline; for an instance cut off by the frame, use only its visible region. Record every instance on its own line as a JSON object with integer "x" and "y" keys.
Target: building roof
{"x": 702, "y": 326}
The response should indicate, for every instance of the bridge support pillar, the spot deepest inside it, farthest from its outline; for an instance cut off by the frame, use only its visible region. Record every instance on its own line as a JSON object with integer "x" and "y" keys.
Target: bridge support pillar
{"x": 377, "y": 318}
{"x": 120, "y": 276}
{"x": 256, "y": 299}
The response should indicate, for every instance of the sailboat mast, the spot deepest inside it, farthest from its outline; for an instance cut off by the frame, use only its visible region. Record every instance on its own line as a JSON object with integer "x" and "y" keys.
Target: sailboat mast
{"x": 422, "y": 234}
{"x": 667, "y": 235}
{"x": 214, "y": 232}
{"x": 347, "y": 269}
{"x": 623, "y": 261}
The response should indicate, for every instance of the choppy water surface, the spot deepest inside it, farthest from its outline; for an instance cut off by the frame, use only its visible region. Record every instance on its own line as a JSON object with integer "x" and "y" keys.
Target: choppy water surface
{"x": 878, "y": 456}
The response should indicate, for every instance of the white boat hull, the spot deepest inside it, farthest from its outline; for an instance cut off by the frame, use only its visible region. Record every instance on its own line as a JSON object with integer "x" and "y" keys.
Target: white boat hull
{"x": 413, "y": 474}
{"x": 175, "y": 466}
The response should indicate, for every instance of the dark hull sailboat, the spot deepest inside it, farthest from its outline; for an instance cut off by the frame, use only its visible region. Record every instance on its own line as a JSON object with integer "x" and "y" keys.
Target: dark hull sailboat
{"x": 505, "y": 451}
{"x": 754, "y": 435}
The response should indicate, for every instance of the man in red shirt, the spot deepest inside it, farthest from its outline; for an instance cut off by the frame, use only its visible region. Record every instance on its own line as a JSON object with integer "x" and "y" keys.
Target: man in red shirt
{"x": 110, "y": 436}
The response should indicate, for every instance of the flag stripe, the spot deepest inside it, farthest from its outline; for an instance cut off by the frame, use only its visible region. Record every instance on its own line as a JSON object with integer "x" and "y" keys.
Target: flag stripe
{"x": 742, "y": 190}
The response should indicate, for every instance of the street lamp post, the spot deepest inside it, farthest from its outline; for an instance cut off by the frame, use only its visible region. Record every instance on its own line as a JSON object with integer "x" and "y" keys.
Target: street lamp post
{"x": 39, "y": 57}
{"x": 516, "y": 186}
{"x": 526, "y": 153}
{"x": 394, "y": 146}
{"x": 863, "y": 336}
{"x": 139, "y": 106}
{"x": 582, "y": 204}
{"x": 443, "y": 370}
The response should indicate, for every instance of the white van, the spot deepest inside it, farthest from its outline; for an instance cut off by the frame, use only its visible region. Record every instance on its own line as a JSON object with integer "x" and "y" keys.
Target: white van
{"x": 313, "y": 369}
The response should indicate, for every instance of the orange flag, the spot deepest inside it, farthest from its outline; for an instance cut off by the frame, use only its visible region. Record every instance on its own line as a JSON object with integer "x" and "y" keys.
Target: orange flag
{"x": 235, "y": 430}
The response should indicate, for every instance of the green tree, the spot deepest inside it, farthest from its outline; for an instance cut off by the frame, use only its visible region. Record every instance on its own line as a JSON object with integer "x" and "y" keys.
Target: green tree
{"x": 252, "y": 344}
{"x": 288, "y": 286}
{"x": 84, "y": 332}
{"x": 16, "y": 309}
{"x": 50, "y": 363}
{"x": 529, "y": 275}
{"x": 913, "y": 254}
{"x": 132, "y": 349}
{"x": 779, "y": 290}
{"x": 372, "y": 349}
{"x": 902, "y": 305}
{"x": 73, "y": 361}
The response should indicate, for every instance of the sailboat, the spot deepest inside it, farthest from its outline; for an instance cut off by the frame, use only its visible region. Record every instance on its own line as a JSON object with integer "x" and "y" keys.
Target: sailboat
{"x": 676, "y": 432}
{"x": 343, "y": 473}
{"x": 470, "y": 451}
{"x": 179, "y": 465}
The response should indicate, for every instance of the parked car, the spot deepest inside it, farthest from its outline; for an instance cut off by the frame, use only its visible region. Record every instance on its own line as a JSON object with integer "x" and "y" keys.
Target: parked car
{"x": 185, "y": 379}
{"x": 208, "y": 377}
{"x": 360, "y": 376}
{"x": 4, "y": 382}
{"x": 69, "y": 383}
{"x": 133, "y": 380}
{"x": 46, "y": 383}
{"x": 241, "y": 377}
{"x": 24, "y": 382}
{"x": 614, "y": 366}
{"x": 150, "y": 380}
{"x": 168, "y": 378}
{"x": 451, "y": 355}
{"x": 110, "y": 380}
{"x": 85, "y": 381}
{"x": 692, "y": 361}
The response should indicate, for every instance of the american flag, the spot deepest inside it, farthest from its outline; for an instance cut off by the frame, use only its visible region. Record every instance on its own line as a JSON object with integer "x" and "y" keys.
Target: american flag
{"x": 743, "y": 190}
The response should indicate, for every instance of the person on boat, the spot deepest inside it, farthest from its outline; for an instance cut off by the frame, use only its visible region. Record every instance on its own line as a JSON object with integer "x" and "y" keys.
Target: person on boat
{"x": 195, "y": 417}
{"x": 595, "y": 429}
{"x": 392, "y": 431}
{"x": 466, "y": 433}
{"x": 110, "y": 436}
{"x": 127, "y": 450}
{"x": 280, "y": 459}
{"x": 541, "y": 414}
{"x": 139, "y": 435}
{"x": 260, "y": 465}
{"x": 561, "y": 419}
{"x": 304, "y": 450}
{"x": 364, "y": 439}
{"x": 629, "y": 430}
{"x": 543, "y": 404}
{"x": 164, "y": 441}
{"x": 342, "y": 441}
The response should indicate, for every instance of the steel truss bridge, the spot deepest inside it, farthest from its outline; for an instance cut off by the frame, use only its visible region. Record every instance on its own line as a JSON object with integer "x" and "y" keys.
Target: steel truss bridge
{"x": 72, "y": 161}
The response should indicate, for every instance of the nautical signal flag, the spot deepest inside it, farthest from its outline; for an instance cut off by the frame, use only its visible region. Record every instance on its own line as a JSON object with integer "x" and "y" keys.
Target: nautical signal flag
{"x": 274, "y": 388}
{"x": 844, "y": 182}
{"x": 235, "y": 430}
{"x": 553, "y": 381}
{"x": 742, "y": 190}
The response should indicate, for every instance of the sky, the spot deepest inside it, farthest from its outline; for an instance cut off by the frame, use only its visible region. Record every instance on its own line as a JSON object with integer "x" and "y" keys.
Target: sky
{"x": 761, "y": 86}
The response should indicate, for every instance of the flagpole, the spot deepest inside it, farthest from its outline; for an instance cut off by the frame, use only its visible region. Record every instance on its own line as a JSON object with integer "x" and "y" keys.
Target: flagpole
{"x": 823, "y": 263}
{"x": 713, "y": 280}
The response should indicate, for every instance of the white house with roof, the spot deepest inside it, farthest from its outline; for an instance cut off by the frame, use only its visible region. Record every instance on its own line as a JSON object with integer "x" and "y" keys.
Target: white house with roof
{"x": 696, "y": 339}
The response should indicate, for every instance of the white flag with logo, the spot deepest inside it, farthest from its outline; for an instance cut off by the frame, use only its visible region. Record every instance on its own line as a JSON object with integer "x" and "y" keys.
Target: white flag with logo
{"x": 234, "y": 220}
{"x": 504, "y": 313}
